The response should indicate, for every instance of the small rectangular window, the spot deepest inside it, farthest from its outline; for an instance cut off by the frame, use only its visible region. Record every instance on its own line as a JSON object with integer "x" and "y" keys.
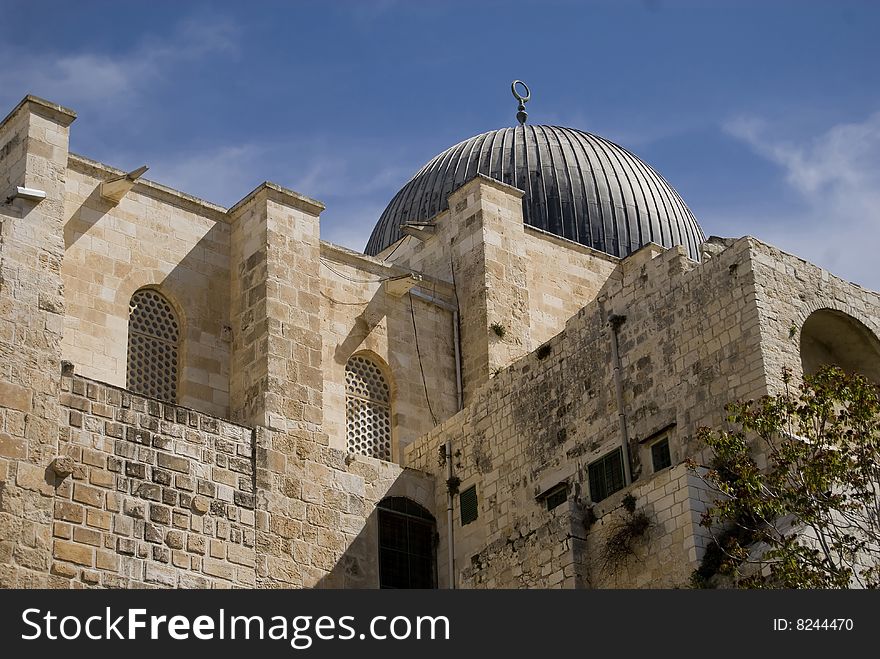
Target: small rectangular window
{"x": 660, "y": 456}
{"x": 467, "y": 501}
{"x": 557, "y": 496}
{"x": 606, "y": 475}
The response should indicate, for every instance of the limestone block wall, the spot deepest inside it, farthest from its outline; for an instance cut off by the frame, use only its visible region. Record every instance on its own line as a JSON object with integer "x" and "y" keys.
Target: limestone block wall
{"x": 13, "y": 151}
{"x": 317, "y": 525}
{"x": 516, "y": 286}
{"x": 360, "y": 315}
{"x": 154, "y": 237}
{"x": 477, "y": 246}
{"x": 33, "y": 153}
{"x": 690, "y": 343}
{"x": 564, "y": 549}
{"x": 163, "y": 496}
{"x": 671, "y": 546}
{"x": 788, "y": 290}
{"x": 275, "y": 310}
{"x": 562, "y": 277}
{"x": 159, "y": 496}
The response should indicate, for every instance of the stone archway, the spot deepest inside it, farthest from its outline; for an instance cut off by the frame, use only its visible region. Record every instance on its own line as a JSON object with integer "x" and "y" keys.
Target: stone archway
{"x": 833, "y": 337}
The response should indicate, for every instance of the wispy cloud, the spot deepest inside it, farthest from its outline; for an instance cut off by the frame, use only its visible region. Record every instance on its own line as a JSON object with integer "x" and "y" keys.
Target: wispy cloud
{"x": 837, "y": 177}
{"x": 221, "y": 175}
{"x": 102, "y": 80}
{"x": 345, "y": 176}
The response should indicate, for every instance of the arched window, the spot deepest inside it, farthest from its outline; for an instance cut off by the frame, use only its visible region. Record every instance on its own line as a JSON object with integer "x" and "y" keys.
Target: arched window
{"x": 367, "y": 409}
{"x": 153, "y": 346}
{"x": 407, "y": 557}
{"x": 833, "y": 337}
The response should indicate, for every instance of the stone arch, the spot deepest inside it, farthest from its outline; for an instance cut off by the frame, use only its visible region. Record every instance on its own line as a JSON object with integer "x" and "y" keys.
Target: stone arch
{"x": 368, "y": 406}
{"x": 831, "y": 336}
{"x": 407, "y": 544}
{"x": 155, "y": 331}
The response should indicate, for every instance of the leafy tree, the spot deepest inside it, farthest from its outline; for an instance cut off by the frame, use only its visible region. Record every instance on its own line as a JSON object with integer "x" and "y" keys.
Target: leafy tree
{"x": 799, "y": 486}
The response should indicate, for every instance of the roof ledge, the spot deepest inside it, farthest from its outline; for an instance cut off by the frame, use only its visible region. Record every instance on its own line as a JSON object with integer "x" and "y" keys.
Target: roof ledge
{"x": 283, "y": 196}
{"x": 57, "y": 113}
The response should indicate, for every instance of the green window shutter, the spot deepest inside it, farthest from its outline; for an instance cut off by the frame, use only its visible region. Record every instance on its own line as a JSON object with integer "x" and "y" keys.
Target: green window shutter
{"x": 467, "y": 501}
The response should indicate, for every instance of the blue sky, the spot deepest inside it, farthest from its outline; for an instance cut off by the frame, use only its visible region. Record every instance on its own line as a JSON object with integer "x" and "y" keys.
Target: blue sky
{"x": 765, "y": 116}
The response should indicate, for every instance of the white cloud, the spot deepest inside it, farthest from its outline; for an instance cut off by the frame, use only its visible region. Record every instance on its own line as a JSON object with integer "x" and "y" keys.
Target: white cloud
{"x": 102, "y": 81}
{"x": 837, "y": 177}
{"x": 222, "y": 175}
{"x": 346, "y": 177}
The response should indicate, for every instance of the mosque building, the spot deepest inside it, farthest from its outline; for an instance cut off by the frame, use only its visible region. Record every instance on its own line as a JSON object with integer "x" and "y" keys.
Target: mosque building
{"x": 514, "y": 370}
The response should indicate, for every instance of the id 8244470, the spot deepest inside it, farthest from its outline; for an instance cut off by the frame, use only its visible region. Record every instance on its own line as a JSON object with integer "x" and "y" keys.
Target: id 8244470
{"x": 813, "y": 624}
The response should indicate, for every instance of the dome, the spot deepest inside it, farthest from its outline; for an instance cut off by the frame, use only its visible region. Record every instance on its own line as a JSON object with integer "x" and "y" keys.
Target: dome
{"x": 577, "y": 185}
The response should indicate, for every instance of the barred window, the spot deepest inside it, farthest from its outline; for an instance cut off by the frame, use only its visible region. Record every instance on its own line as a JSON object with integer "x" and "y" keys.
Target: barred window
{"x": 606, "y": 475}
{"x": 367, "y": 409}
{"x": 153, "y": 346}
{"x": 407, "y": 545}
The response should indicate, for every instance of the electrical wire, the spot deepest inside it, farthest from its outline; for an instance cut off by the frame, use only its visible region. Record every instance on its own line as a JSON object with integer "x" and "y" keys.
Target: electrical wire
{"x": 360, "y": 281}
{"x": 399, "y": 245}
{"x": 419, "y": 355}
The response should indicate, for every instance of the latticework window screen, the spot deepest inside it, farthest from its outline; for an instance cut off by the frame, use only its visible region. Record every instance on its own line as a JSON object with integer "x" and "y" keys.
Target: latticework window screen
{"x": 367, "y": 409}
{"x": 153, "y": 340}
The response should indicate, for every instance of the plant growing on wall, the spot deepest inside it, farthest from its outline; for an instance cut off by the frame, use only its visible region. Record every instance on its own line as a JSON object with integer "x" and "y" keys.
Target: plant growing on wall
{"x": 498, "y": 329}
{"x": 806, "y": 515}
{"x": 621, "y": 540}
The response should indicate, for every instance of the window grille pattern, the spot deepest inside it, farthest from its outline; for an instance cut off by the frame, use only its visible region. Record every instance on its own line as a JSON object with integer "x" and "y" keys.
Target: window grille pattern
{"x": 153, "y": 340}
{"x": 367, "y": 409}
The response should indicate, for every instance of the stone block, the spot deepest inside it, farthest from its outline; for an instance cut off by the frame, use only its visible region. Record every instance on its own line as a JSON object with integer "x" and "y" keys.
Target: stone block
{"x": 98, "y": 519}
{"x": 16, "y": 396}
{"x": 173, "y": 462}
{"x": 240, "y": 555}
{"x": 31, "y": 477}
{"x": 219, "y": 569}
{"x": 69, "y": 512}
{"x": 89, "y": 496}
{"x": 12, "y": 447}
{"x": 73, "y": 553}
{"x": 160, "y": 575}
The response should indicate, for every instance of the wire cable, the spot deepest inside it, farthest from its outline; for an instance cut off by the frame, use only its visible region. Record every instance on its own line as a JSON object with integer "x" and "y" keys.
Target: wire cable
{"x": 360, "y": 281}
{"x": 419, "y": 355}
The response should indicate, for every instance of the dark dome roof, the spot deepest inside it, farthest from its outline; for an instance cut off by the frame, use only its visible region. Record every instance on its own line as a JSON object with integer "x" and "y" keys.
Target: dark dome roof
{"x": 577, "y": 185}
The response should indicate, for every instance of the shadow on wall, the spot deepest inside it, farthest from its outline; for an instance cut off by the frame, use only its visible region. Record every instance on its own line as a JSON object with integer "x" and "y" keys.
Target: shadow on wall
{"x": 833, "y": 337}
{"x": 365, "y": 322}
{"x": 86, "y": 216}
{"x": 358, "y": 567}
{"x": 396, "y": 548}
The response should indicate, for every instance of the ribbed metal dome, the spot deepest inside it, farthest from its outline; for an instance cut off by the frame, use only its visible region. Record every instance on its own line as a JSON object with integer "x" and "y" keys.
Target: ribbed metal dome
{"x": 577, "y": 185}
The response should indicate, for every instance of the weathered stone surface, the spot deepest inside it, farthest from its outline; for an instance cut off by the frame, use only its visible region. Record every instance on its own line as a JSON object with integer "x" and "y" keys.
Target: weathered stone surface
{"x": 63, "y": 466}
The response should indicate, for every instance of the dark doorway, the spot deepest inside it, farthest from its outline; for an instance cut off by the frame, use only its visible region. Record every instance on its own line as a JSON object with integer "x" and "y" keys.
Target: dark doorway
{"x": 407, "y": 545}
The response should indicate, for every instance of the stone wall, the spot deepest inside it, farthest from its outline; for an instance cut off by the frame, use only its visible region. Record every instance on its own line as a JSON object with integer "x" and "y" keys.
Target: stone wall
{"x": 159, "y": 495}
{"x": 788, "y": 290}
{"x": 361, "y": 314}
{"x": 33, "y": 154}
{"x": 562, "y": 277}
{"x": 690, "y": 343}
{"x": 515, "y": 286}
{"x": 567, "y": 549}
{"x": 153, "y": 237}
